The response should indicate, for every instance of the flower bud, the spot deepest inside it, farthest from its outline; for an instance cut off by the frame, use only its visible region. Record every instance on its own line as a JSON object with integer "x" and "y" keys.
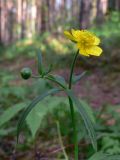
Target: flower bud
{"x": 26, "y": 73}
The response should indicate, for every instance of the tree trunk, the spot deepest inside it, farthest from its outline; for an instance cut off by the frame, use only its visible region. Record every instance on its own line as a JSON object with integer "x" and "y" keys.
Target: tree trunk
{"x": 51, "y": 15}
{"x": 44, "y": 16}
{"x": 23, "y": 23}
{"x": 85, "y": 13}
{"x": 38, "y": 16}
{"x": 0, "y": 22}
{"x": 4, "y": 21}
{"x": 117, "y": 5}
{"x": 102, "y": 6}
{"x": 10, "y": 22}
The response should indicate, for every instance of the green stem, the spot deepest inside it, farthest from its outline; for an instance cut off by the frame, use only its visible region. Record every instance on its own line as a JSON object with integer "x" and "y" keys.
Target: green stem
{"x": 72, "y": 109}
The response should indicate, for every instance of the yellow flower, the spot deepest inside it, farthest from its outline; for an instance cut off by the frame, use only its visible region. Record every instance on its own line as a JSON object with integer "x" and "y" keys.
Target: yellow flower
{"x": 86, "y": 42}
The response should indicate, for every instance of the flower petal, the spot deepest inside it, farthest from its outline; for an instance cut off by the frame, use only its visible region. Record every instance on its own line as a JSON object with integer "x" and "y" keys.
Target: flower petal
{"x": 94, "y": 50}
{"x": 97, "y": 41}
{"x": 69, "y": 35}
{"x": 75, "y": 33}
{"x": 82, "y": 50}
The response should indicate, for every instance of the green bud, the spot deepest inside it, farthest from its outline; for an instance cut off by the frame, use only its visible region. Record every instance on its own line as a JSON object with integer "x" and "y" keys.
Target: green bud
{"x": 26, "y": 73}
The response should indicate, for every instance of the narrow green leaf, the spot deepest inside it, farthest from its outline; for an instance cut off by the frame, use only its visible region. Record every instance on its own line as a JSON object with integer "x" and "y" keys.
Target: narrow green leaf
{"x": 10, "y": 113}
{"x": 59, "y": 79}
{"x": 49, "y": 69}
{"x": 40, "y": 67}
{"x": 87, "y": 120}
{"x": 31, "y": 106}
{"x": 75, "y": 79}
{"x": 88, "y": 110}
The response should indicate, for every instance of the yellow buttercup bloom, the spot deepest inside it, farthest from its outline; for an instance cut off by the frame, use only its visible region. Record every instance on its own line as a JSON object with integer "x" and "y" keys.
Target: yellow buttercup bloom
{"x": 86, "y": 42}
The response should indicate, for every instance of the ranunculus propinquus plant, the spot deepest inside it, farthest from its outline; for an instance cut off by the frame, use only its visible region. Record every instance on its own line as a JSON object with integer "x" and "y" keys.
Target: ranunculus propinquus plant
{"x": 88, "y": 45}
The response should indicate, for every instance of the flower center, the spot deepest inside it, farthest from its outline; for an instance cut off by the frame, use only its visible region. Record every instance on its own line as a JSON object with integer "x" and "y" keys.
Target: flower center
{"x": 87, "y": 41}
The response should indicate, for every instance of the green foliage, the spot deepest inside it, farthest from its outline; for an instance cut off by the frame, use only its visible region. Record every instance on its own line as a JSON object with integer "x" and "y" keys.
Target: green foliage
{"x": 87, "y": 121}
{"x": 103, "y": 156}
{"x": 111, "y": 144}
{"x": 110, "y": 28}
{"x": 10, "y": 113}
{"x": 98, "y": 156}
{"x": 10, "y": 94}
{"x": 47, "y": 43}
{"x": 37, "y": 116}
{"x": 31, "y": 106}
{"x": 109, "y": 129}
{"x": 35, "y": 119}
{"x": 5, "y": 132}
{"x": 59, "y": 79}
{"x": 77, "y": 78}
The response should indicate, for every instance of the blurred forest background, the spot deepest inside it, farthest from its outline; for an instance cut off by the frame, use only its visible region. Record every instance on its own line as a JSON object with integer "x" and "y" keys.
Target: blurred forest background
{"x": 28, "y": 25}
{"x": 25, "y": 18}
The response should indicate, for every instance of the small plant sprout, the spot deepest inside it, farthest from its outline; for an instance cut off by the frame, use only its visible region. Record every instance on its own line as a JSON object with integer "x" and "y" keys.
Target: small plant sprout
{"x": 87, "y": 44}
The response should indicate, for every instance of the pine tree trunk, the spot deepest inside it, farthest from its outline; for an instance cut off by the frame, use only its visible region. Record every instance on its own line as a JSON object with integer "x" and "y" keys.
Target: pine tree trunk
{"x": 44, "y": 16}
{"x": 0, "y": 22}
{"x": 85, "y": 13}
{"x": 23, "y": 23}
{"x": 102, "y": 6}
{"x": 38, "y": 16}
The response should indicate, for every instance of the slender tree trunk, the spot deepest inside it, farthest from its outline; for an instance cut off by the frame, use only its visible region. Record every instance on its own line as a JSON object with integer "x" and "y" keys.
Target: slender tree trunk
{"x": 117, "y": 5}
{"x": 23, "y": 23}
{"x": 32, "y": 18}
{"x": 85, "y": 13}
{"x": 0, "y": 22}
{"x": 38, "y": 16}
{"x": 94, "y": 11}
{"x": 51, "y": 14}
{"x": 19, "y": 18}
{"x": 4, "y": 21}
{"x": 44, "y": 16}
{"x": 75, "y": 8}
{"x": 10, "y": 21}
{"x": 102, "y": 6}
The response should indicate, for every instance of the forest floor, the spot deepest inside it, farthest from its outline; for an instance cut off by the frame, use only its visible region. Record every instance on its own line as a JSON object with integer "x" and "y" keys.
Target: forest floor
{"x": 98, "y": 87}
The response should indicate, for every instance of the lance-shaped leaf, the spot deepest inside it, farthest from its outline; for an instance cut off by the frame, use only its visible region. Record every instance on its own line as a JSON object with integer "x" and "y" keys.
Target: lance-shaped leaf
{"x": 78, "y": 78}
{"x": 31, "y": 106}
{"x": 40, "y": 66}
{"x": 87, "y": 120}
{"x": 58, "y": 79}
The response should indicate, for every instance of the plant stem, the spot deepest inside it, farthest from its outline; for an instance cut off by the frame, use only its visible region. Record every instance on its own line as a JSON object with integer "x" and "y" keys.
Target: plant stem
{"x": 60, "y": 140}
{"x": 72, "y": 108}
